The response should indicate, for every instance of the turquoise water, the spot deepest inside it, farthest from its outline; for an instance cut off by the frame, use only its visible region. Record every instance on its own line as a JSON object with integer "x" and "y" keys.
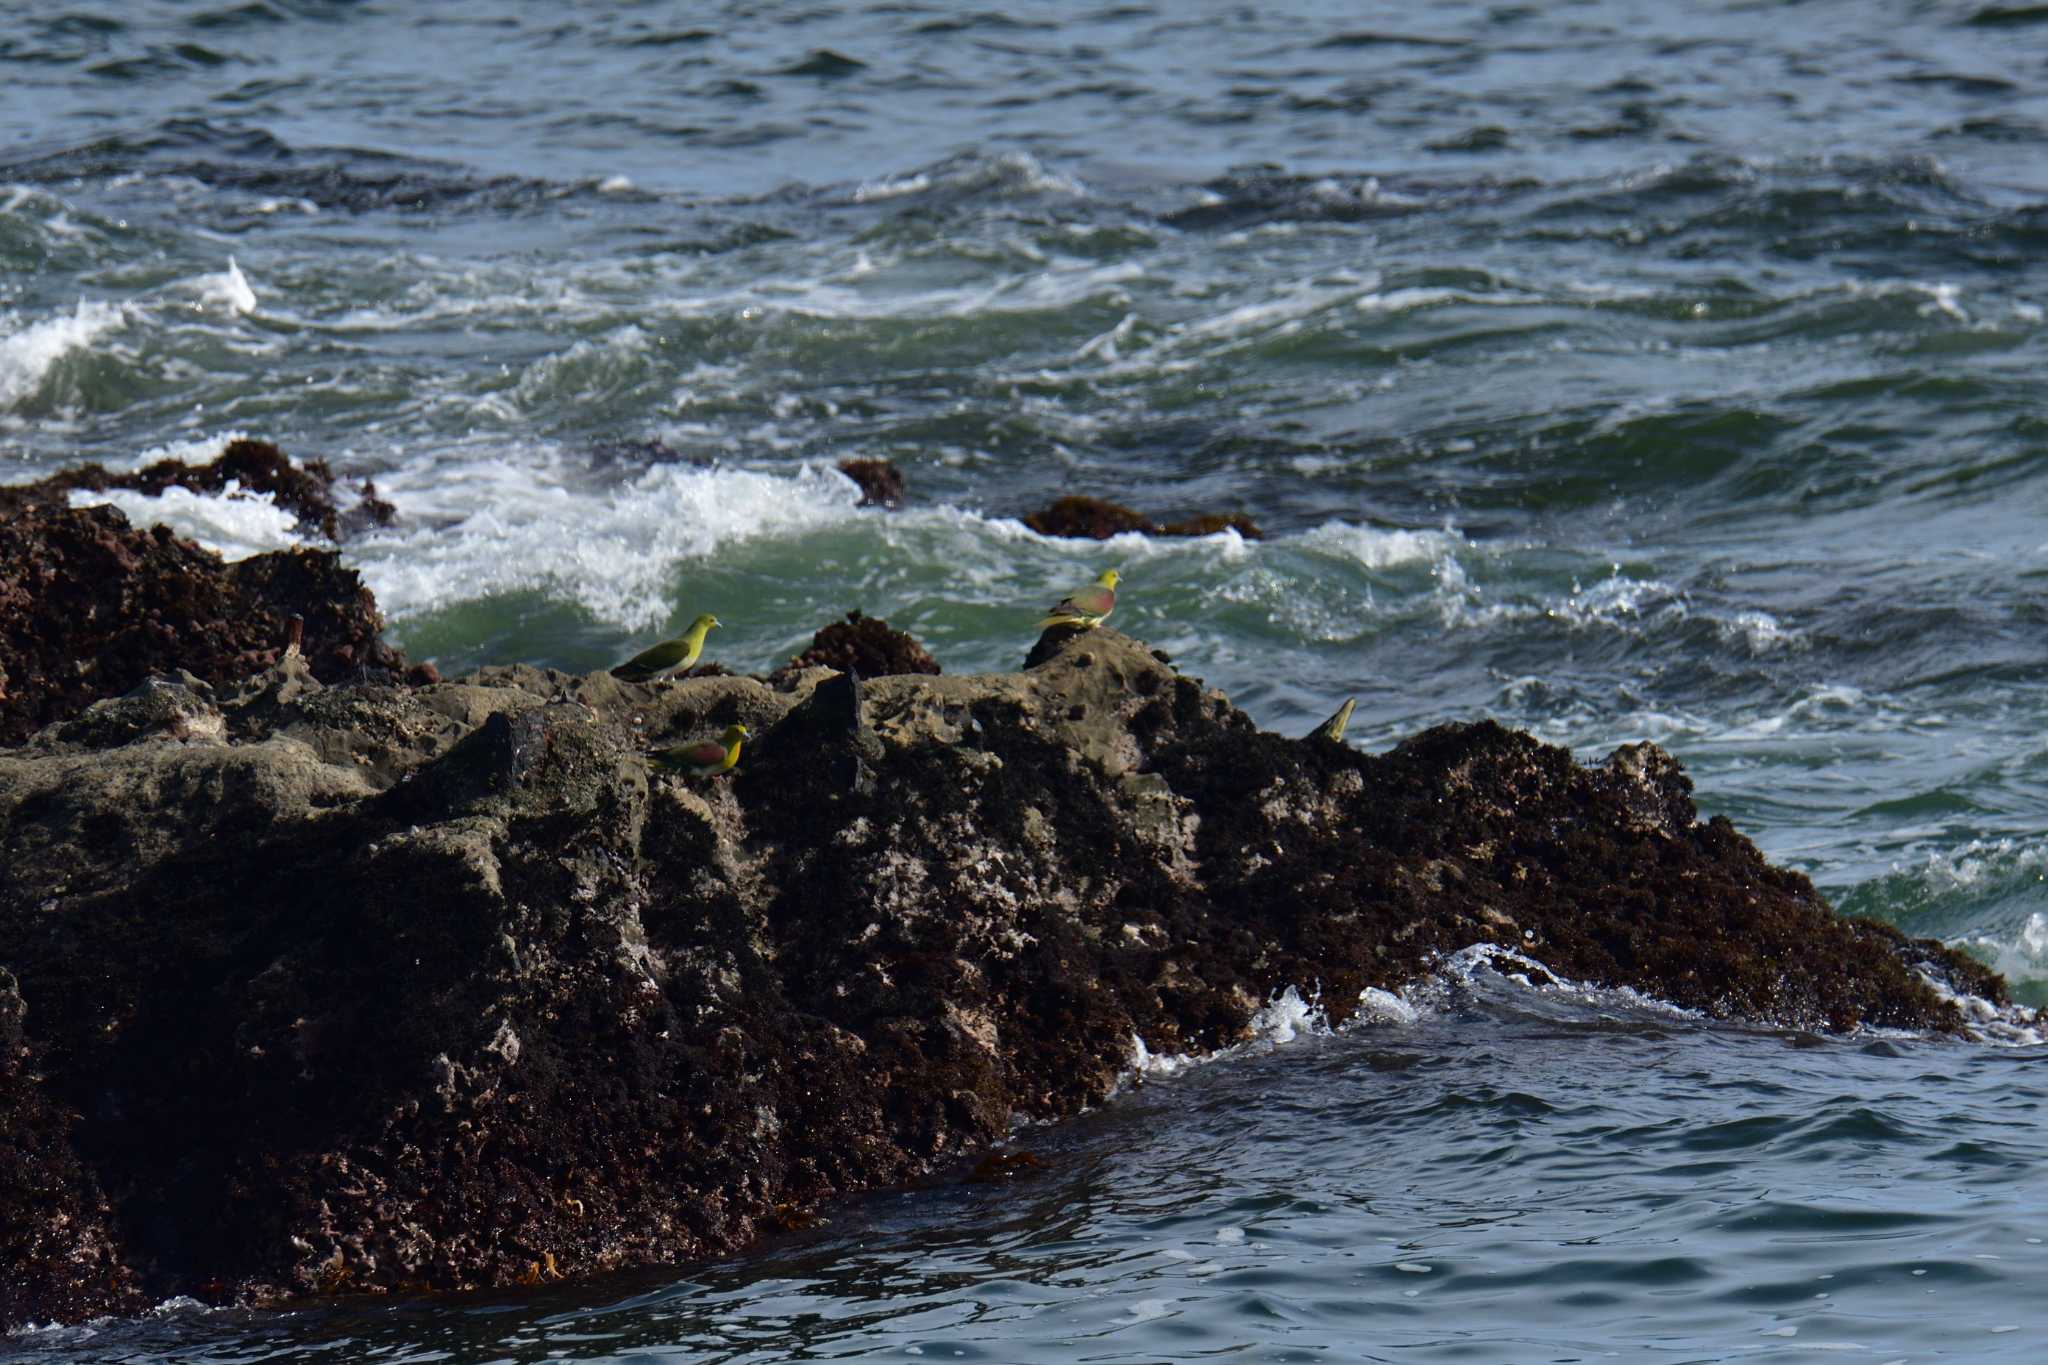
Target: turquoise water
{"x": 1620, "y": 372}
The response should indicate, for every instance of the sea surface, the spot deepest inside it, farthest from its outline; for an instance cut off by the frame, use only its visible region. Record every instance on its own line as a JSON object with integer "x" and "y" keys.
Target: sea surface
{"x": 1619, "y": 371}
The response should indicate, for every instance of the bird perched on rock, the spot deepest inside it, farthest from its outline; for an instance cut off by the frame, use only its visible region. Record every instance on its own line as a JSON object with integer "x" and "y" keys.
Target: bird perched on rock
{"x": 1085, "y": 608}
{"x": 670, "y": 655}
{"x": 1333, "y": 728}
{"x": 707, "y": 758}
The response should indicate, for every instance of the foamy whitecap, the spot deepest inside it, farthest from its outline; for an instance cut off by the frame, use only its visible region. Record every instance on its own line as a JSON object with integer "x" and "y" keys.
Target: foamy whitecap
{"x": 233, "y": 523}
{"x": 2018, "y": 953}
{"x": 1006, "y": 173}
{"x": 1375, "y": 548}
{"x": 27, "y": 352}
{"x": 202, "y": 449}
{"x": 2004, "y": 1025}
{"x": 495, "y": 525}
{"x": 1757, "y": 631}
{"x": 1455, "y": 977}
{"x": 1281, "y": 1020}
{"x": 229, "y": 291}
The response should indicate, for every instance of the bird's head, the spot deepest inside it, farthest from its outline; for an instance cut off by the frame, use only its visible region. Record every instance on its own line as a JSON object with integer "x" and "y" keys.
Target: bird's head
{"x": 735, "y": 732}
{"x": 703, "y": 623}
{"x": 1109, "y": 579}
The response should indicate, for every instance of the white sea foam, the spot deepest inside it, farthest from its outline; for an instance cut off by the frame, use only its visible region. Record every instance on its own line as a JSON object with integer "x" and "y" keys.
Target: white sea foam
{"x": 200, "y": 449}
{"x": 500, "y": 525}
{"x": 2005, "y": 1025}
{"x": 1004, "y": 173}
{"x": 1759, "y": 632}
{"x": 1281, "y": 1020}
{"x": 27, "y": 352}
{"x": 1375, "y": 548}
{"x": 234, "y": 523}
{"x": 1456, "y": 976}
{"x": 2024, "y": 957}
{"x": 228, "y": 291}
{"x": 177, "y": 1306}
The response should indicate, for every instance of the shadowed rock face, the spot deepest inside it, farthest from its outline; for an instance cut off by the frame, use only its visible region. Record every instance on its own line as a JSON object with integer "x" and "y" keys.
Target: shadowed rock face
{"x": 373, "y": 988}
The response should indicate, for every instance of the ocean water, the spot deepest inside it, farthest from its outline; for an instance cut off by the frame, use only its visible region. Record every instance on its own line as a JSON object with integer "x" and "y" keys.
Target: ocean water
{"x": 1619, "y": 371}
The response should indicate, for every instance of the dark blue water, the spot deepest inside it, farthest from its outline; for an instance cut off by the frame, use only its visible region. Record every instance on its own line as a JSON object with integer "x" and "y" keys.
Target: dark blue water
{"x": 1618, "y": 371}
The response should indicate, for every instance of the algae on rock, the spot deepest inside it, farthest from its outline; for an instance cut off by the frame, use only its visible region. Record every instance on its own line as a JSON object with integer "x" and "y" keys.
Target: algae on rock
{"x": 373, "y": 987}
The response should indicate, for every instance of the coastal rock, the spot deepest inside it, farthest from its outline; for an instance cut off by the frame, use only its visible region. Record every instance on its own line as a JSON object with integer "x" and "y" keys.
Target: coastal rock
{"x": 862, "y": 645}
{"x": 256, "y": 467}
{"x": 1084, "y": 518}
{"x": 880, "y": 481}
{"x": 378, "y": 988}
{"x": 90, "y": 606}
{"x": 1088, "y": 519}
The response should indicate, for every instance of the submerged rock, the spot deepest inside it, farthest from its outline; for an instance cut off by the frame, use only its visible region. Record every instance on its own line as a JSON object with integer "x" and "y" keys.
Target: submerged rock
{"x": 1085, "y": 518}
{"x": 1088, "y": 519}
{"x": 377, "y": 988}
{"x": 880, "y": 482}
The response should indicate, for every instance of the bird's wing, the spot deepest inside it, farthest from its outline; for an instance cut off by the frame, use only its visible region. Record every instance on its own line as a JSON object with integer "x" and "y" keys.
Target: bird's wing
{"x": 1094, "y": 600}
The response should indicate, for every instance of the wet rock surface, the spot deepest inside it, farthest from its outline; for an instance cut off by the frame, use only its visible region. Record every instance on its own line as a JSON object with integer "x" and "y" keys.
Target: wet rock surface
{"x": 314, "y": 989}
{"x": 1084, "y": 518}
{"x": 90, "y": 606}
{"x": 880, "y": 482}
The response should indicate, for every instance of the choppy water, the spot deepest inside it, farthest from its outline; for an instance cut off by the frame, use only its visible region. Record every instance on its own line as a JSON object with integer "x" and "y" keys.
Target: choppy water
{"x": 1619, "y": 371}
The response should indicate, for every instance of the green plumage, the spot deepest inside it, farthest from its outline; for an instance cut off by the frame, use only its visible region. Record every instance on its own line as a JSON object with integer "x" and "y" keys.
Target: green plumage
{"x": 1333, "y": 728}
{"x": 669, "y": 656}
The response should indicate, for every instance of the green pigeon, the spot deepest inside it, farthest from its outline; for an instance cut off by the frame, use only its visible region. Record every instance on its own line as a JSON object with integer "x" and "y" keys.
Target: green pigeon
{"x": 707, "y": 758}
{"x": 1333, "y": 728}
{"x": 1086, "y": 607}
{"x": 670, "y": 655}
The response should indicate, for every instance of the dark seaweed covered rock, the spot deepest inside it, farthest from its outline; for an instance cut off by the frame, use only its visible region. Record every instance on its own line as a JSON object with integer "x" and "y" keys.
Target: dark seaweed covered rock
{"x": 860, "y": 644}
{"x": 1086, "y": 518}
{"x": 255, "y": 466}
{"x": 1211, "y": 523}
{"x": 381, "y": 989}
{"x": 58, "y": 1256}
{"x": 880, "y": 481}
{"x": 90, "y": 606}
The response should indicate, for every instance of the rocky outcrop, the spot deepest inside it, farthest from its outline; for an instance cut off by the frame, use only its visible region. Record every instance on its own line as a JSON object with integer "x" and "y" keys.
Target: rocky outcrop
{"x": 862, "y": 645}
{"x": 91, "y": 605}
{"x": 1084, "y": 518}
{"x": 880, "y": 482}
{"x": 376, "y": 988}
{"x": 256, "y": 468}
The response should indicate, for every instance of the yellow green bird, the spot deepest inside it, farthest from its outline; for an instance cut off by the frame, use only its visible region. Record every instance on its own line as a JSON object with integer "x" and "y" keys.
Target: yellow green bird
{"x": 1333, "y": 728}
{"x": 707, "y": 758}
{"x": 1086, "y": 607}
{"x": 670, "y": 655}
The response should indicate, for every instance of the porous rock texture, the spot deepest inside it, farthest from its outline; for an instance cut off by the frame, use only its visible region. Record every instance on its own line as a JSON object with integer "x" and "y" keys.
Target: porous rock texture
{"x": 356, "y": 988}
{"x": 862, "y": 645}
{"x": 91, "y": 605}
